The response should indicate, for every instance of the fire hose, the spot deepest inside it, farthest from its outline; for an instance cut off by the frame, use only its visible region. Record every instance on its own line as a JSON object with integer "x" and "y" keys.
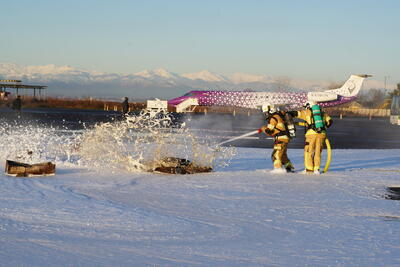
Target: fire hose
{"x": 328, "y": 155}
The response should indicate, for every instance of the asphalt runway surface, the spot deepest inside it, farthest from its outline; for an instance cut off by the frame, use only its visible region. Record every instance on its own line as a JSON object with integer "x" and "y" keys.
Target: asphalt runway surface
{"x": 348, "y": 133}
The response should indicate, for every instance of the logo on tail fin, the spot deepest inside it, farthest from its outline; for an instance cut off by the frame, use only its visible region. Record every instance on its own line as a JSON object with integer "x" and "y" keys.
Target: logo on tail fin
{"x": 351, "y": 87}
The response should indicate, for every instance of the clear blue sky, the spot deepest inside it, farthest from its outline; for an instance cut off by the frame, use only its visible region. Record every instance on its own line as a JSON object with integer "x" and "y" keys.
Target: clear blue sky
{"x": 300, "y": 39}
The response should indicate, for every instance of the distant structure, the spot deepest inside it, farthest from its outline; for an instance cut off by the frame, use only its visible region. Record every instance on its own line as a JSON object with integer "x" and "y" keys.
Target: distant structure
{"x": 16, "y": 84}
{"x": 157, "y": 104}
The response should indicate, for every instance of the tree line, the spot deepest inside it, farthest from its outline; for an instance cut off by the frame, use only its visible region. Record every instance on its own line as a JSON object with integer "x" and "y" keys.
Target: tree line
{"x": 373, "y": 98}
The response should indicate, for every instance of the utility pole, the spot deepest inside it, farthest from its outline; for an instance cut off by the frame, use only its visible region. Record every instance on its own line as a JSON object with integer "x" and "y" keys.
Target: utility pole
{"x": 386, "y": 78}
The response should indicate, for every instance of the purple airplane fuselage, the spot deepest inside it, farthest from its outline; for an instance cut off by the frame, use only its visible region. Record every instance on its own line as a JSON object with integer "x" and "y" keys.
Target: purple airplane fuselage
{"x": 253, "y": 100}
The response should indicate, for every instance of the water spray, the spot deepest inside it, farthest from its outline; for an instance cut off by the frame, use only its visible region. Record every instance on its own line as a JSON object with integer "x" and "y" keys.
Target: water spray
{"x": 137, "y": 144}
{"x": 240, "y": 137}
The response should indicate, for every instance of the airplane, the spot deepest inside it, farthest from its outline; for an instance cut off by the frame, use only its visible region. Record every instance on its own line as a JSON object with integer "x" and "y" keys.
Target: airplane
{"x": 255, "y": 100}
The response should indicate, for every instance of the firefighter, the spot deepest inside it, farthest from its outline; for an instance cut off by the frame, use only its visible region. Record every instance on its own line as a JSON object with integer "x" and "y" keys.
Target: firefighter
{"x": 277, "y": 128}
{"x": 125, "y": 107}
{"x": 17, "y": 104}
{"x": 316, "y": 122}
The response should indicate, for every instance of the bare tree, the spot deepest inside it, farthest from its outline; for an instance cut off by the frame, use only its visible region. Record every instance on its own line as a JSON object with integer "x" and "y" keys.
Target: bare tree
{"x": 395, "y": 91}
{"x": 371, "y": 98}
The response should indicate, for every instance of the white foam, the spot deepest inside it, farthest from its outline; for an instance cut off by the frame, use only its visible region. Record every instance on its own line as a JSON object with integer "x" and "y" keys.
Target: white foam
{"x": 134, "y": 145}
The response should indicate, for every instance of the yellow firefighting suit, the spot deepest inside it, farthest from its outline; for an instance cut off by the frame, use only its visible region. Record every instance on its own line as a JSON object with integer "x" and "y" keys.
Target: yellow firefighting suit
{"x": 277, "y": 129}
{"x": 314, "y": 141}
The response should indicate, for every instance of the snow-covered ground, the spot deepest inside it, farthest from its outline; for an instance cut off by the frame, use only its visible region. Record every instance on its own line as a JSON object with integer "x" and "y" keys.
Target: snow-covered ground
{"x": 240, "y": 215}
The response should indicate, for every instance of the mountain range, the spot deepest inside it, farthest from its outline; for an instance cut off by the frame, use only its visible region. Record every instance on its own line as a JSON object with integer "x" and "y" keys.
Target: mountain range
{"x": 161, "y": 83}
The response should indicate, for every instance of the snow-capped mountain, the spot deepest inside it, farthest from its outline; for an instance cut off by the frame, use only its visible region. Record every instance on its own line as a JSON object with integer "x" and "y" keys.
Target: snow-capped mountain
{"x": 207, "y": 76}
{"x": 157, "y": 74}
{"x": 66, "y": 80}
{"x": 11, "y": 69}
{"x": 249, "y": 78}
{"x": 70, "y": 81}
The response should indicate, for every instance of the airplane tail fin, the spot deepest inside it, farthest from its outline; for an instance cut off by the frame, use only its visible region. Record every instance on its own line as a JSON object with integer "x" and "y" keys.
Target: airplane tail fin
{"x": 352, "y": 86}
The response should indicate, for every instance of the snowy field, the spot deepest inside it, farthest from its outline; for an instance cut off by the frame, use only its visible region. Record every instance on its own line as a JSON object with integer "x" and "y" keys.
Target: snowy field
{"x": 240, "y": 215}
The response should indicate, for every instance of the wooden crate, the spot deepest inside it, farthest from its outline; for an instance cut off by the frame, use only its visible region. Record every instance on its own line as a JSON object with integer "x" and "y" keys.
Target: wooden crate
{"x": 20, "y": 169}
